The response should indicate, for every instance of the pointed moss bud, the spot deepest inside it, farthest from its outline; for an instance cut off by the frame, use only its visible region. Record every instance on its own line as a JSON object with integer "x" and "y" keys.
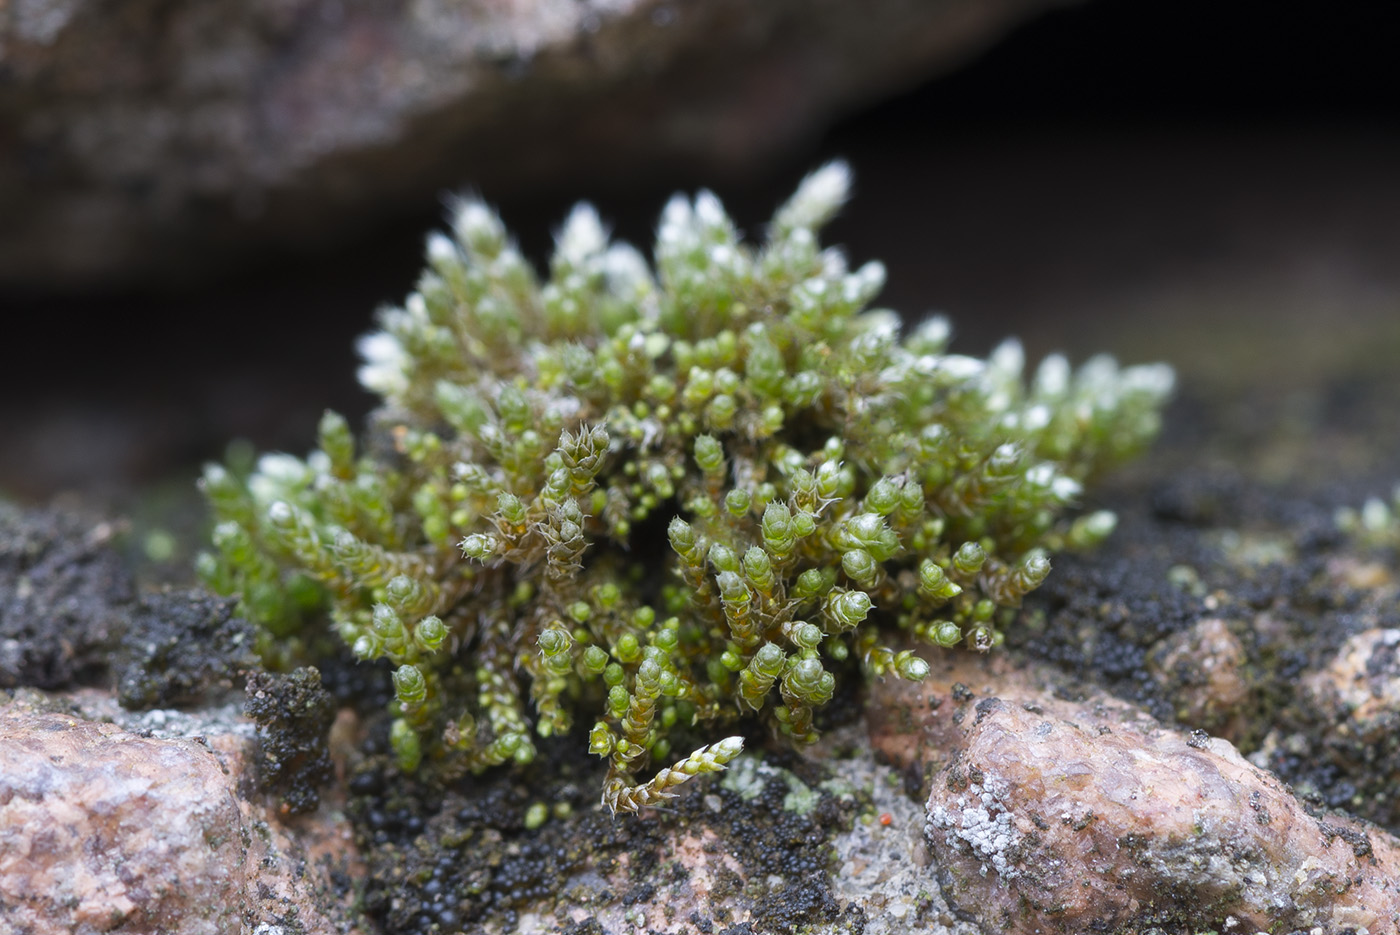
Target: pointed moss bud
{"x": 731, "y": 586}
{"x": 969, "y": 559}
{"x": 1031, "y": 572}
{"x": 883, "y": 497}
{"x": 803, "y": 389}
{"x": 709, "y": 454}
{"x": 808, "y": 681}
{"x": 430, "y": 633}
{"x": 408, "y": 596}
{"x": 595, "y": 660}
{"x": 479, "y": 547}
{"x": 829, "y": 480}
{"x": 779, "y": 537}
{"x": 764, "y": 366}
{"x": 1005, "y": 460}
{"x": 812, "y": 583}
{"x": 618, "y": 701}
{"x": 817, "y": 199}
{"x": 699, "y": 386}
{"x": 366, "y": 647}
{"x": 225, "y": 494}
{"x": 666, "y": 639}
{"x": 934, "y": 583}
{"x": 388, "y": 626}
{"x": 628, "y": 649}
{"x": 510, "y": 509}
{"x": 758, "y": 677}
{"x": 684, "y": 539}
{"x": 554, "y": 642}
{"x": 947, "y": 634}
{"x": 719, "y": 414}
{"x": 910, "y": 667}
{"x": 806, "y": 636}
{"x": 858, "y": 532}
{"x": 758, "y": 569}
{"x": 235, "y": 542}
{"x": 846, "y": 609}
{"x": 723, "y": 558}
{"x": 984, "y": 638}
{"x": 601, "y": 740}
{"x": 410, "y": 686}
{"x": 860, "y": 566}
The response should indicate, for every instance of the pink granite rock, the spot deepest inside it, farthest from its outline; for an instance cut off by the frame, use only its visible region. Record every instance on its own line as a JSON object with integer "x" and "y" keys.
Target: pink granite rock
{"x": 1055, "y": 823}
{"x": 106, "y": 830}
{"x": 1054, "y": 808}
{"x": 1203, "y": 670}
{"x": 1360, "y": 687}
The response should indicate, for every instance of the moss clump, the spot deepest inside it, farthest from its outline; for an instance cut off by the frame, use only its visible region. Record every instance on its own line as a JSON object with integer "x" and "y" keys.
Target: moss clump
{"x": 665, "y": 497}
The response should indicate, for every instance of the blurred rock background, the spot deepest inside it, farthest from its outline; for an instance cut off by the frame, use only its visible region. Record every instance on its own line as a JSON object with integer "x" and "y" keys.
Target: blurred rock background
{"x": 201, "y": 205}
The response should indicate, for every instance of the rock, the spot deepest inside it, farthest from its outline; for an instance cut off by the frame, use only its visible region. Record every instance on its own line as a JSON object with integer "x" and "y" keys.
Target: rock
{"x": 1203, "y": 670}
{"x": 148, "y": 141}
{"x": 1055, "y": 809}
{"x": 104, "y": 828}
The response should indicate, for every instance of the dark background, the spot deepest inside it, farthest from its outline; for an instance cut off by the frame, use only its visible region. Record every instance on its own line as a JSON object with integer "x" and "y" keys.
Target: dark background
{"x": 1215, "y": 184}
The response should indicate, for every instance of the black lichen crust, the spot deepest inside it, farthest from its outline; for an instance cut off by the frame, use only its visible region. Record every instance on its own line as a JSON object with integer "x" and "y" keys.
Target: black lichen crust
{"x": 466, "y": 858}
{"x": 64, "y": 595}
{"x": 294, "y": 714}
{"x": 181, "y": 645}
{"x": 70, "y": 615}
{"x": 1100, "y": 615}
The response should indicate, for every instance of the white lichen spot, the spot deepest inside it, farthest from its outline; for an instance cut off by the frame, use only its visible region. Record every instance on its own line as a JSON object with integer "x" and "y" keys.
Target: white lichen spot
{"x": 984, "y": 825}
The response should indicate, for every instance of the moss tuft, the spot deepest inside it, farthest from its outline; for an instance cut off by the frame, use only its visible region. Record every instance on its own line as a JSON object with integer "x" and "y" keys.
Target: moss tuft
{"x": 632, "y": 499}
